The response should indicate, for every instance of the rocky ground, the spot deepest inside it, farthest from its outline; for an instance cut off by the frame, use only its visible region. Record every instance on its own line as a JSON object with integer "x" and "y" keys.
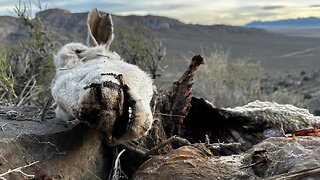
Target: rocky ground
{"x": 190, "y": 139}
{"x": 239, "y": 143}
{"x": 51, "y": 149}
{"x": 304, "y": 84}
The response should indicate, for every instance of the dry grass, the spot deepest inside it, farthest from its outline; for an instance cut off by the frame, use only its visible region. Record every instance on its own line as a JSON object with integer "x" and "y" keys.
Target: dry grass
{"x": 228, "y": 84}
{"x": 6, "y": 79}
{"x": 26, "y": 68}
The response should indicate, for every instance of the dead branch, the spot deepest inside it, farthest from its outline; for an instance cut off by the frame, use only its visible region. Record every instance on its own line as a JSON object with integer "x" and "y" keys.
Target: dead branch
{"x": 45, "y": 108}
{"x": 19, "y": 170}
{"x": 116, "y": 171}
{"x": 185, "y": 142}
{"x": 22, "y": 98}
{"x": 49, "y": 143}
{"x": 145, "y": 153}
{"x": 136, "y": 149}
{"x": 182, "y": 141}
{"x": 172, "y": 139}
{"x": 2, "y": 127}
{"x": 295, "y": 175}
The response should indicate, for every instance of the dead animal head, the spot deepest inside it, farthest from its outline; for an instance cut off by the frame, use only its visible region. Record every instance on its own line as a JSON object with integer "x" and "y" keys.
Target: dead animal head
{"x": 101, "y": 89}
{"x": 113, "y": 109}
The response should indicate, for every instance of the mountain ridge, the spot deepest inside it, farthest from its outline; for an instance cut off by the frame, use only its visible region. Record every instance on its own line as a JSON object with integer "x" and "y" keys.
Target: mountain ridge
{"x": 298, "y": 22}
{"x": 183, "y": 40}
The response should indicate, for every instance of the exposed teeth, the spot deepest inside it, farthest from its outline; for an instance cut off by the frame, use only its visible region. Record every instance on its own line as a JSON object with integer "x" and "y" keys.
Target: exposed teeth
{"x": 130, "y": 113}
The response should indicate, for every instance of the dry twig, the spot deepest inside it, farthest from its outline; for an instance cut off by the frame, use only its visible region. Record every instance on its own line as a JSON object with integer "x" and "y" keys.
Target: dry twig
{"x": 45, "y": 108}
{"x": 2, "y": 127}
{"x": 116, "y": 171}
{"x": 136, "y": 149}
{"x": 155, "y": 150}
{"x": 181, "y": 141}
{"x": 296, "y": 175}
{"x": 19, "y": 170}
{"x": 24, "y": 95}
{"x": 57, "y": 151}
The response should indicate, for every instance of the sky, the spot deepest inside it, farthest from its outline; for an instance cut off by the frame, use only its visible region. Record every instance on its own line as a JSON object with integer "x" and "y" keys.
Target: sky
{"x": 231, "y": 12}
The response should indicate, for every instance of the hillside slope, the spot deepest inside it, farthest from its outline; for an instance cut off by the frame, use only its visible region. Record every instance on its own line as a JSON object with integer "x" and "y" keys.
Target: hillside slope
{"x": 277, "y": 53}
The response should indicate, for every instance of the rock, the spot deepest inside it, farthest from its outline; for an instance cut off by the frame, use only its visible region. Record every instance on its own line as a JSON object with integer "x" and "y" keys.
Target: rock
{"x": 273, "y": 157}
{"x": 190, "y": 163}
{"x": 285, "y": 155}
{"x": 64, "y": 150}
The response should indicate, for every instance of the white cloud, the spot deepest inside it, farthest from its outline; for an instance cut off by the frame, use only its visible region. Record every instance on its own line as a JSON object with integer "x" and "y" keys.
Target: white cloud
{"x": 235, "y": 12}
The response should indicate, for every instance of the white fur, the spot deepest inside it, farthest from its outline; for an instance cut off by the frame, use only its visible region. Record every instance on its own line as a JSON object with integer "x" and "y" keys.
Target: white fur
{"x": 74, "y": 54}
{"x": 78, "y": 66}
{"x": 292, "y": 118}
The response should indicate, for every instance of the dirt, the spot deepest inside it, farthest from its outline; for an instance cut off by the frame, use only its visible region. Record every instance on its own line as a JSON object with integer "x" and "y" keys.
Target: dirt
{"x": 61, "y": 150}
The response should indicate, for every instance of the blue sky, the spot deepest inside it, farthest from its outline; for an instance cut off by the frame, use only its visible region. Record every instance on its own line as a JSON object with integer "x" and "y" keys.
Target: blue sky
{"x": 233, "y": 12}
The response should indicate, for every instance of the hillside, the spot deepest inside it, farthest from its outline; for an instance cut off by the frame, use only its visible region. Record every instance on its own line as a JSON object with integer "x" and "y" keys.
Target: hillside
{"x": 277, "y": 53}
{"x": 12, "y": 30}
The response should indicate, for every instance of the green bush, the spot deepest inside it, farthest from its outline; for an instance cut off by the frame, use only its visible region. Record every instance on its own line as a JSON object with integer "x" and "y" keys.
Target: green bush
{"x": 6, "y": 79}
{"x": 27, "y": 67}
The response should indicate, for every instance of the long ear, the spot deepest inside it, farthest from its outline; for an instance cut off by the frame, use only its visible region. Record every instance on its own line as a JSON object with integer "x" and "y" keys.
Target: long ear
{"x": 100, "y": 29}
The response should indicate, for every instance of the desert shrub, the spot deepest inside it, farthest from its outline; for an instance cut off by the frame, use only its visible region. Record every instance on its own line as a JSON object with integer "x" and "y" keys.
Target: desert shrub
{"x": 228, "y": 84}
{"x": 284, "y": 96}
{"x": 6, "y": 79}
{"x": 30, "y": 62}
{"x": 134, "y": 47}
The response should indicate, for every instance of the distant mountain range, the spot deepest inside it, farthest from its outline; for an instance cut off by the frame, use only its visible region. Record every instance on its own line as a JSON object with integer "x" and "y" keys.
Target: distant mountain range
{"x": 277, "y": 53}
{"x": 300, "y": 22}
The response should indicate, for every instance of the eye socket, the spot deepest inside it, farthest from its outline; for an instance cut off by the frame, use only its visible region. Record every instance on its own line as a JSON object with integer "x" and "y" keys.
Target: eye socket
{"x": 78, "y": 51}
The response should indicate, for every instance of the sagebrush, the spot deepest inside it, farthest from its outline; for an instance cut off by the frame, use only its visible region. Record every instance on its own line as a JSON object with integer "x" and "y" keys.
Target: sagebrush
{"x": 228, "y": 84}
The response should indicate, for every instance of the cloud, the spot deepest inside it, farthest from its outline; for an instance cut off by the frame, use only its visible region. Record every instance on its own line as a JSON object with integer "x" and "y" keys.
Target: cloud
{"x": 235, "y": 12}
{"x": 315, "y": 6}
{"x": 75, "y": 6}
{"x": 142, "y": 7}
{"x": 272, "y": 7}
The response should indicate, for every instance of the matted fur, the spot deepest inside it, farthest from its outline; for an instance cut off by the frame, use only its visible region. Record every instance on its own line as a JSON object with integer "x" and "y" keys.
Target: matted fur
{"x": 78, "y": 67}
